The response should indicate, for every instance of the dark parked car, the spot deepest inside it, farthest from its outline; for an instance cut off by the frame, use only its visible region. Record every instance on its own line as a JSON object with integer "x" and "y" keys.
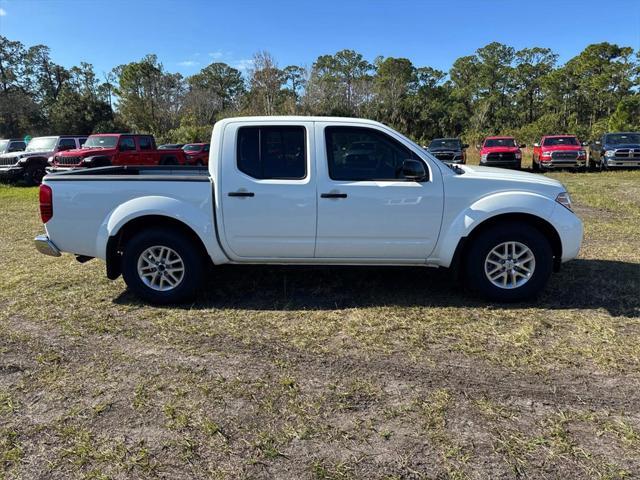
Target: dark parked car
{"x": 12, "y": 145}
{"x": 450, "y": 150}
{"x": 615, "y": 150}
{"x": 31, "y": 164}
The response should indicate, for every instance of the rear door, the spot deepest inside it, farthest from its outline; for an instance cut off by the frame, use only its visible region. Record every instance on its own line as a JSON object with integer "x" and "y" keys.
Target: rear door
{"x": 147, "y": 151}
{"x": 267, "y": 190}
{"x": 366, "y": 209}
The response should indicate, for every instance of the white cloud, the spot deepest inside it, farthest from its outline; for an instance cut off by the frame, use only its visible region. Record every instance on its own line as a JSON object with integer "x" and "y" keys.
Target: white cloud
{"x": 188, "y": 63}
{"x": 243, "y": 65}
{"x": 3, "y": 12}
{"x": 218, "y": 54}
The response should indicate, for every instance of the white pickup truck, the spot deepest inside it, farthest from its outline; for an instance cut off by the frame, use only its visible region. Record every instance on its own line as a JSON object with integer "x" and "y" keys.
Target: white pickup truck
{"x": 311, "y": 190}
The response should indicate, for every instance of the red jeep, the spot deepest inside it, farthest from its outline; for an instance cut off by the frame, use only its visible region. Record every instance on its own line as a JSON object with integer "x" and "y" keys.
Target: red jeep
{"x": 558, "y": 151}
{"x": 106, "y": 149}
{"x": 197, "y": 153}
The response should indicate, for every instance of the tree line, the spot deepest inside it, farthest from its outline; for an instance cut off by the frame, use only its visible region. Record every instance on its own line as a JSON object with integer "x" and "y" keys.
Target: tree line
{"x": 497, "y": 90}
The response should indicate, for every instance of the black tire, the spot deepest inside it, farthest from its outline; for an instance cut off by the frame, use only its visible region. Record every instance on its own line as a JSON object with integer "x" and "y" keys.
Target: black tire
{"x": 169, "y": 161}
{"x": 101, "y": 162}
{"x": 482, "y": 245}
{"x": 189, "y": 253}
{"x": 33, "y": 174}
{"x": 534, "y": 165}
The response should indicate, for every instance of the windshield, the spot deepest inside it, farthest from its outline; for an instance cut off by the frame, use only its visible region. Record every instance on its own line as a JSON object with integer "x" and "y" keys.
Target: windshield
{"x": 622, "y": 138}
{"x": 192, "y": 148}
{"x": 500, "y": 142}
{"x": 555, "y": 141}
{"x": 3, "y": 145}
{"x": 450, "y": 143}
{"x": 97, "y": 141}
{"x": 42, "y": 144}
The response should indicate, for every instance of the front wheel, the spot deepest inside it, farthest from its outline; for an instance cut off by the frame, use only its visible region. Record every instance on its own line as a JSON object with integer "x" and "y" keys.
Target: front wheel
{"x": 34, "y": 174}
{"x": 162, "y": 266}
{"x": 509, "y": 263}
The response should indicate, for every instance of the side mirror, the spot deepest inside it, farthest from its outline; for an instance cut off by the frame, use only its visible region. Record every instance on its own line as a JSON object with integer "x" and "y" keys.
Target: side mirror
{"x": 465, "y": 145}
{"x": 536, "y": 144}
{"x": 413, "y": 170}
{"x": 522, "y": 145}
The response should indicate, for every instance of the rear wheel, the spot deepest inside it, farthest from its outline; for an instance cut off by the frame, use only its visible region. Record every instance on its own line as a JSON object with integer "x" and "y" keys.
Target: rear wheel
{"x": 509, "y": 263}
{"x": 169, "y": 161}
{"x": 535, "y": 166}
{"x": 162, "y": 266}
{"x": 33, "y": 174}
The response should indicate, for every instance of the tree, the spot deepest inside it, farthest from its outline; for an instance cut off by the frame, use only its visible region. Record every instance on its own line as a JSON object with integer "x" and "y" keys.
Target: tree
{"x": 265, "y": 81}
{"x": 215, "y": 89}
{"x": 150, "y": 99}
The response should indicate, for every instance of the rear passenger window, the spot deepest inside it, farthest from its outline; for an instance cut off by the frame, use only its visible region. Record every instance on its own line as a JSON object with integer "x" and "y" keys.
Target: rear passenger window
{"x": 127, "y": 144}
{"x": 145, "y": 143}
{"x": 272, "y": 152}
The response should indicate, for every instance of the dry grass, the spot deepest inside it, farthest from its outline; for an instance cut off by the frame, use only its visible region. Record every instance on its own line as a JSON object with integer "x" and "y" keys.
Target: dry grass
{"x": 324, "y": 372}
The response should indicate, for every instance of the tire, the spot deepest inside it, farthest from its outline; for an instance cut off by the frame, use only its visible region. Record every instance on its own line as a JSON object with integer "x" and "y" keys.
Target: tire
{"x": 520, "y": 234}
{"x": 34, "y": 173}
{"x": 136, "y": 258}
{"x": 534, "y": 165}
{"x": 169, "y": 161}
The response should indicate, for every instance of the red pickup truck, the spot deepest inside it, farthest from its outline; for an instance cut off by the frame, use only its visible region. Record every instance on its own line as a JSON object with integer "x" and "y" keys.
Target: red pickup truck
{"x": 106, "y": 149}
{"x": 558, "y": 151}
{"x": 501, "y": 152}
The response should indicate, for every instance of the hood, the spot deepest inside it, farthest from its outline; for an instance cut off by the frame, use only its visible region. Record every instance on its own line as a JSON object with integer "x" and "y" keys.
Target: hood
{"x": 499, "y": 150}
{"x": 553, "y": 148}
{"x": 25, "y": 154}
{"x": 84, "y": 152}
{"x": 445, "y": 149}
{"x": 489, "y": 173}
{"x": 624, "y": 145}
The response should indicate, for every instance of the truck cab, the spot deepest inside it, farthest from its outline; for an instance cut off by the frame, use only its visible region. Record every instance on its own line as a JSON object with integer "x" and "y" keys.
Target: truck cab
{"x": 558, "y": 151}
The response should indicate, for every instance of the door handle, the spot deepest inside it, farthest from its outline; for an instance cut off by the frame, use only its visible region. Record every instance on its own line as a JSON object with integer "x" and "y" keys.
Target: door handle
{"x": 242, "y": 194}
{"x": 333, "y": 195}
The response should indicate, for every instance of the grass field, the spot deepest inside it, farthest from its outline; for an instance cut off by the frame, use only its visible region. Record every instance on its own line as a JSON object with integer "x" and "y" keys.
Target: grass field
{"x": 324, "y": 372}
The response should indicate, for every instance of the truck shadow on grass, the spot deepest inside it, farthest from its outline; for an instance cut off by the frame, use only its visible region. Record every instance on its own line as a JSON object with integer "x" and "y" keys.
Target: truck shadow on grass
{"x": 581, "y": 284}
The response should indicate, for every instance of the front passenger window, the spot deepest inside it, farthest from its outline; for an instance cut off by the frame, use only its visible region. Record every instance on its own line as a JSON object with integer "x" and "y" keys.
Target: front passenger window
{"x": 360, "y": 154}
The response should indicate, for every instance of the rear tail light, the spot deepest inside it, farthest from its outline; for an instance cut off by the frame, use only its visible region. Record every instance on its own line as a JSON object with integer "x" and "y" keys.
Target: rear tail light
{"x": 46, "y": 203}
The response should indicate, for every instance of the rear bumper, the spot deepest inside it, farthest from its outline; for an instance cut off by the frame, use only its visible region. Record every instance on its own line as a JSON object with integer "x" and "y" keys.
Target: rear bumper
{"x": 46, "y": 246}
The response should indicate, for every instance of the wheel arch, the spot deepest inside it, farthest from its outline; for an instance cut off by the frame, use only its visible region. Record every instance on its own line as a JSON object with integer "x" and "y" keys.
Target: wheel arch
{"x": 535, "y": 221}
{"x": 116, "y": 242}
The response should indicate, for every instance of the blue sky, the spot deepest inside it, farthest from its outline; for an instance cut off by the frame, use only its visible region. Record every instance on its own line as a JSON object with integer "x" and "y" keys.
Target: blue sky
{"x": 187, "y": 35}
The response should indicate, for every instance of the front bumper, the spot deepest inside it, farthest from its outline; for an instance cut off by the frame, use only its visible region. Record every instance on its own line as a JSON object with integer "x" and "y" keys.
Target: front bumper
{"x": 555, "y": 164}
{"x": 58, "y": 169}
{"x": 46, "y": 246}
{"x": 622, "y": 162}
{"x": 499, "y": 164}
{"x": 11, "y": 171}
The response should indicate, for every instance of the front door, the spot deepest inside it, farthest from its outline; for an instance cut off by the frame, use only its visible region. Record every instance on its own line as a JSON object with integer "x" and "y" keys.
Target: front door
{"x": 367, "y": 209}
{"x": 267, "y": 190}
{"x": 127, "y": 154}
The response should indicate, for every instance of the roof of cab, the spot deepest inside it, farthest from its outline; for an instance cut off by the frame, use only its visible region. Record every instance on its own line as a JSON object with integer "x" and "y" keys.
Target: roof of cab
{"x": 298, "y": 118}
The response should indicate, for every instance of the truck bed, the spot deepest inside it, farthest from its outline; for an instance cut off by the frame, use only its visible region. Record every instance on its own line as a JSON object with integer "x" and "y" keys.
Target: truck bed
{"x": 129, "y": 172}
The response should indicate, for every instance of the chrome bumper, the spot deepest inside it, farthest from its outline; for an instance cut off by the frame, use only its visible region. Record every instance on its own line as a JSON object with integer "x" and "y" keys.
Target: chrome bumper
{"x": 46, "y": 246}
